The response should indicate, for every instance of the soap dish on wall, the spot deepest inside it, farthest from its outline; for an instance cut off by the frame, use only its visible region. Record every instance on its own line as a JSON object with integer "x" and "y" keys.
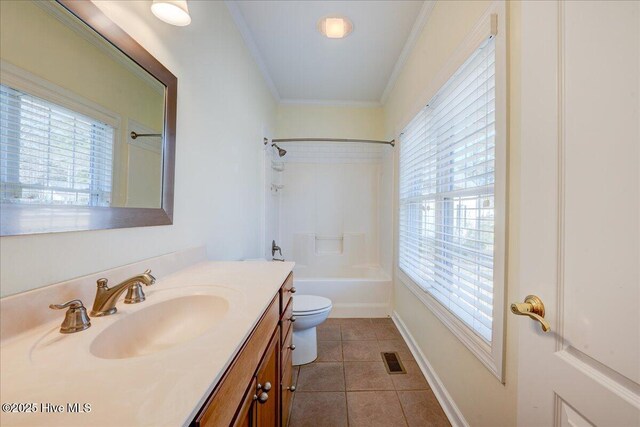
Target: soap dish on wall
{"x": 329, "y": 244}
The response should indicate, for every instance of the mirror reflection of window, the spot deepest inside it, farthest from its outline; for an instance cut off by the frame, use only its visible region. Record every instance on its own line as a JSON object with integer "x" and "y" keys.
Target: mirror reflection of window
{"x": 69, "y": 97}
{"x": 50, "y": 154}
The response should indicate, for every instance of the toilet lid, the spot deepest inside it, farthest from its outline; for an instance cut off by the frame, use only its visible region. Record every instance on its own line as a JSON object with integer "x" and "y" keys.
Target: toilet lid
{"x": 309, "y": 303}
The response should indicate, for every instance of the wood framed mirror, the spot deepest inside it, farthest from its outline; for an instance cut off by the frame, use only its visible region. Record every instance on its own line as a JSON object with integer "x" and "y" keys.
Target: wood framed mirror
{"x": 87, "y": 123}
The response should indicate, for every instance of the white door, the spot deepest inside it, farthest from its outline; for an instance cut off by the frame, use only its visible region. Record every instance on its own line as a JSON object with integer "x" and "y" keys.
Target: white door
{"x": 579, "y": 210}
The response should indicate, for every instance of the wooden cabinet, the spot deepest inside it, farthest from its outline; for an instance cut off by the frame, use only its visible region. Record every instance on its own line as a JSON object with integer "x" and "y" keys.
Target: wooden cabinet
{"x": 286, "y": 331}
{"x": 268, "y": 392}
{"x": 247, "y": 413}
{"x": 255, "y": 391}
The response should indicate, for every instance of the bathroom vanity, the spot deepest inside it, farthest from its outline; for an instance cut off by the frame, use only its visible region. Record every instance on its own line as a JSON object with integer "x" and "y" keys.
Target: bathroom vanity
{"x": 209, "y": 346}
{"x": 264, "y": 367}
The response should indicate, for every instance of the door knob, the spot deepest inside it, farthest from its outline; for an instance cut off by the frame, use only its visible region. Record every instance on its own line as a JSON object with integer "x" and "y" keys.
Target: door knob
{"x": 534, "y": 308}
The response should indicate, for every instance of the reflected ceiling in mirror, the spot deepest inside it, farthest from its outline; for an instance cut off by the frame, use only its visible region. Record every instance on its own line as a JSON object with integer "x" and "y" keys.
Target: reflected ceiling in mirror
{"x": 81, "y": 122}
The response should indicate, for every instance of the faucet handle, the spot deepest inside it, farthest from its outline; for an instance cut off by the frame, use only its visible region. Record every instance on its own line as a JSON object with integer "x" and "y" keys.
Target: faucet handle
{"x": 134, "y": 294}
{"x": 147, "y": 272}
{"x": 74, "y": 303}
{"x": 75, "y": 319}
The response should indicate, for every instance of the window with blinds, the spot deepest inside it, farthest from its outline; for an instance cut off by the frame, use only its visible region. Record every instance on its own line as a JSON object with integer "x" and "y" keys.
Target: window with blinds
{"x": 447, "y": 174}
{"x": 50, "y": 154}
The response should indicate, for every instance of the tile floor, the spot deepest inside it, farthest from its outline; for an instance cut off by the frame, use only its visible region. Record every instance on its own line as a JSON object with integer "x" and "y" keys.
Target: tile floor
{"x": 348, "y": 384}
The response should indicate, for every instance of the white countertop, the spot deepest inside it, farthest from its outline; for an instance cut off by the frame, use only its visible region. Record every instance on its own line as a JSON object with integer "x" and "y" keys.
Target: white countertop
{"x": 165, "y": 388}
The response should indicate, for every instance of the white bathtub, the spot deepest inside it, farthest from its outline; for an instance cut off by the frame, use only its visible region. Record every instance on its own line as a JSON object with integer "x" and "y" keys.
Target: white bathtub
{"x": 354, "y": 291}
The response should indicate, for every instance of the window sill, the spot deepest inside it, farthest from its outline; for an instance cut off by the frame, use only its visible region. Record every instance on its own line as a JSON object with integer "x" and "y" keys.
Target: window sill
{"x": 476, "y": 345}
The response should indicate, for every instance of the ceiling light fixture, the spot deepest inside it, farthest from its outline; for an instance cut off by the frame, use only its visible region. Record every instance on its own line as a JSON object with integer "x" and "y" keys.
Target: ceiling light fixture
{"x": 174, "y": 12}
{"x": 335, "y": 27}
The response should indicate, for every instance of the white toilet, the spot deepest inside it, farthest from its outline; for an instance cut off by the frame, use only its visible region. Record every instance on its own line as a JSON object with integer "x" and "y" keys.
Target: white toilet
{"x": 309, "y": 311}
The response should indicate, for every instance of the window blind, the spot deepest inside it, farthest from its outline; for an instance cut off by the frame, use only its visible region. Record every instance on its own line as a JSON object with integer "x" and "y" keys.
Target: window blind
{"x": 50, "y": 154}
{"x": 447, "y": 173}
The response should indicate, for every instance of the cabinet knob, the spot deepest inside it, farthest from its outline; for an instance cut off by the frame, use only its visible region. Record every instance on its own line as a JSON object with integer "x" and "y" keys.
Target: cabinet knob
{"x": 263, "y": 397}
{"x": 292, "y": 319}
{"x": 292, "y": 347}
{"x": 265, "y": 387}
{"x": 292, "y": 388}
{"x": 292, "y": 290}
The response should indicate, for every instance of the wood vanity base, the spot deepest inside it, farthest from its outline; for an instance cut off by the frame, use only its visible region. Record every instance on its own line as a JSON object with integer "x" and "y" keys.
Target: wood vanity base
{"x": 255, "y": 390}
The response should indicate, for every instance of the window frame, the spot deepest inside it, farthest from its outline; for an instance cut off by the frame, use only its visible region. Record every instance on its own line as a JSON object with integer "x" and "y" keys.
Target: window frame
{"x": 491, "y": 355}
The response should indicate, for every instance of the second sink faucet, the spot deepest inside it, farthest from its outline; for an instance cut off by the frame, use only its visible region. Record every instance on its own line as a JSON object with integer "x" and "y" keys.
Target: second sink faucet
{"x": 106, "y": 297}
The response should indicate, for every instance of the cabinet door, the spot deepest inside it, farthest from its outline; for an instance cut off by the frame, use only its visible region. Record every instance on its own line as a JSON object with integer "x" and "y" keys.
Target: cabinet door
{"x": 247, "y": 413}
{"x": 267, "y": 389}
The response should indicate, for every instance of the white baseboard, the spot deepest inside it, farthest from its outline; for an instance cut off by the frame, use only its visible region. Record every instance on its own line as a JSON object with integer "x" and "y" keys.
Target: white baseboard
{"x": 448, "y": 405}
{"x": 348, "y": 310}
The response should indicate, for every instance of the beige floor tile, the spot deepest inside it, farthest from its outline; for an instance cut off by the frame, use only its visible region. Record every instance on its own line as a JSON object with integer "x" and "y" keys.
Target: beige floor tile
{"x": 361, "y": 351}
{"x": 321, "y": 376}
{"x": 357, "y": 332}
{"x": 355, "y": 321}
{"x": 374, "y": 409}
{"x": 329, "y": 351}
{"x": 386, "y": 332}
{"x": 367, "y": 376}
{"x": 398, "y": 346}
{"x": 319, "y": 409}
{"x": 382, "y": 321}
{"x": 421, "y": 409}
{"x": 412, "y": 380}
{"x": 295, "y": 371}
{"x": 332, "y": 321}
{"x": 328, "y": 332}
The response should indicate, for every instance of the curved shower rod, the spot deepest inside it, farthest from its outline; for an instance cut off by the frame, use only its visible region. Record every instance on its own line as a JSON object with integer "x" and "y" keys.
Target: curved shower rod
{"x": 366, "y": 141}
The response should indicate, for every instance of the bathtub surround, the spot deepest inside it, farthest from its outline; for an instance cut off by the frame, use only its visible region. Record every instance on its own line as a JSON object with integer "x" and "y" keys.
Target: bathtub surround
{"x": 330, "y": 212}
{"x": 224, "y": 110}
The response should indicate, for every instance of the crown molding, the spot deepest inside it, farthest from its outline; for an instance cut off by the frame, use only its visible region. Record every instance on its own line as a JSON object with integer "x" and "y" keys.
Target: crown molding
{"x": 238, "y": 18}
{"x": 418, "y": 26}
{"x": 331, "y": 102}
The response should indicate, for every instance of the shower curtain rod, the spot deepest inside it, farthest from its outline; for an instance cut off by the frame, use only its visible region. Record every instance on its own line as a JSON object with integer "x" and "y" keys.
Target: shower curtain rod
{"x": 366, "y": 141}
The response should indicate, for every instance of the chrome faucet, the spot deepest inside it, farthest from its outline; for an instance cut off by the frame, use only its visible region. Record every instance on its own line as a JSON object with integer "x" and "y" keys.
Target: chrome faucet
{"x": 106, "y": 297}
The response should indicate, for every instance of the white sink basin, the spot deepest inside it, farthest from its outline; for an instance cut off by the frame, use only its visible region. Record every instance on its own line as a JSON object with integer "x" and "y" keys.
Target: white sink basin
{"x": 160, "y": 326}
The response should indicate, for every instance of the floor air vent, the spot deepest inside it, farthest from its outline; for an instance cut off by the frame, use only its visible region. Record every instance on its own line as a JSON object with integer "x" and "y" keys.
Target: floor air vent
{"x": 392, "y": 363}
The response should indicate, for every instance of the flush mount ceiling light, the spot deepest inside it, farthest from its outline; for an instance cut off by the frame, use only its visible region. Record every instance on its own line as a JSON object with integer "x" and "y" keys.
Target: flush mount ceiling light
{"x": 335, "y": 27}
{"x": 174, "y": 12}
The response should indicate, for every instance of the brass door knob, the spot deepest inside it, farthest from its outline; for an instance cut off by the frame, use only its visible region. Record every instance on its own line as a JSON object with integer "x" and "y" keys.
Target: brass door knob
{"x": 534, "y": 308}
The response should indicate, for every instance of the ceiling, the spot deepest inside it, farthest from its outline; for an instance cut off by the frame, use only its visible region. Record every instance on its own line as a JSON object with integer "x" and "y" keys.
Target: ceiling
{"x": 302, "y": 66}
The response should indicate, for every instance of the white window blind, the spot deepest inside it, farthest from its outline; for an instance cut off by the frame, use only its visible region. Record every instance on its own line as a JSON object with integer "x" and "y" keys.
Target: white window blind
{"x": 447, "y": 174}
{"x": 50, "y": 154}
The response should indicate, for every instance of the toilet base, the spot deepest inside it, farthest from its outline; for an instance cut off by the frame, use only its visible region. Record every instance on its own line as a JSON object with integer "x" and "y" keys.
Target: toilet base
{"x": 306, "y": 344}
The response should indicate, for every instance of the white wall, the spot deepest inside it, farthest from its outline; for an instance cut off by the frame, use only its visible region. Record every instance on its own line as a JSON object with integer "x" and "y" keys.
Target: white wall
{"x": 224, "y": 109}
{"x": 479, "y": 395}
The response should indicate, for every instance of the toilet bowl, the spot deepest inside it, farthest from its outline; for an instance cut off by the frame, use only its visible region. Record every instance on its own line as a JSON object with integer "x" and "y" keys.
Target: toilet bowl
{"x": 309, "y": 311}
